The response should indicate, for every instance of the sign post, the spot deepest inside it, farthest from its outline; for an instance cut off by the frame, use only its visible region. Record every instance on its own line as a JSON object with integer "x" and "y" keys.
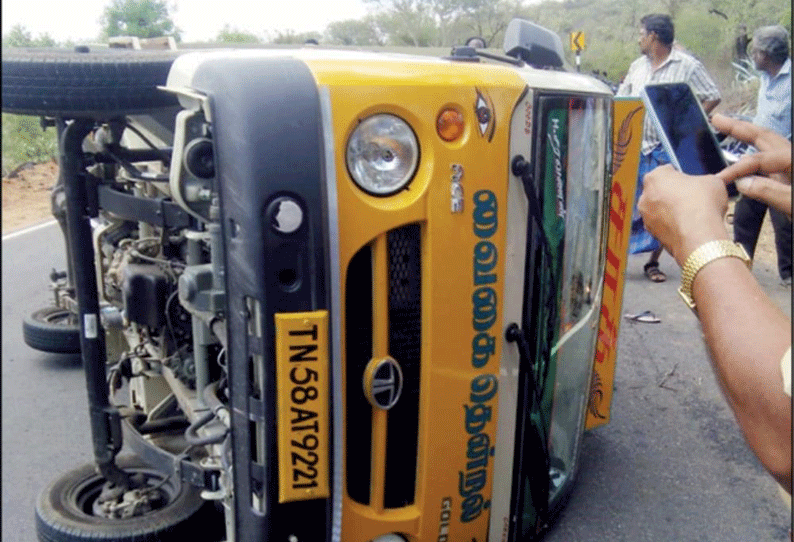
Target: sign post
{"x": 577, "y": 45}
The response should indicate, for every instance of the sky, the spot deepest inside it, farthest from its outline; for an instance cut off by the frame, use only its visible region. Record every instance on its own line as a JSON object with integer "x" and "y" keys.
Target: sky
{"x": 199, "y": 20}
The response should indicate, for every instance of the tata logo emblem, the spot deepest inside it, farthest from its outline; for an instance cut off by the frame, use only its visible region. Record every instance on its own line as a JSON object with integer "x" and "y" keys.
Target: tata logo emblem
{"x": 383, "y": 382}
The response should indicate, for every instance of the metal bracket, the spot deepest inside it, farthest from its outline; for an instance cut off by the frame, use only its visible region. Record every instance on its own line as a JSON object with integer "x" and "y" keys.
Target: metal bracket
{"x": 180, "y": 467}
{"x": 191, "y": 99}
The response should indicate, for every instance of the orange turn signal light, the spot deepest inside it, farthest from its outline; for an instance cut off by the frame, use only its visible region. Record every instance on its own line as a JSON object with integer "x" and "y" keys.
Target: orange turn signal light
{"x": 449, "y": 124}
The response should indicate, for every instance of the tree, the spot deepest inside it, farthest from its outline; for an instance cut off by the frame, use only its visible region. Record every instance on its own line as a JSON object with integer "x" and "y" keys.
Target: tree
{"x": 487, "y": 18}
{"x": 442, "y": 22}
{"x": 445, "y": 13}
{"x": 19, "y": 36}
{"x": 406, "y": 22}
{"x": 288, "y": 37}
{"x": 140, "y": 18}
{"x": 354, "y": 32}
{"x": 233, "y": 35}
{"x": 673, "y": 7}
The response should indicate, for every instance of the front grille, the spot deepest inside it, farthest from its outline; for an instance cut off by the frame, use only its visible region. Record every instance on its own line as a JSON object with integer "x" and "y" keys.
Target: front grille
{"x": 391, "y": 464}
{"x": 405, "y": 345}
{"x": 358, "y": 351}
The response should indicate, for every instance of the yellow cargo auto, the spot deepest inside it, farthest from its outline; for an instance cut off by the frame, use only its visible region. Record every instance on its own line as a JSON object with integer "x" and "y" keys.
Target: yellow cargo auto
{"x": 337, "y": 295}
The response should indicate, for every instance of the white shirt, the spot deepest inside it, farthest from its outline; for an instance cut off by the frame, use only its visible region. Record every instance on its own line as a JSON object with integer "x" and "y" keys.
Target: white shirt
{"x": 774, "y": 101}
{"x": 677, "y": 67}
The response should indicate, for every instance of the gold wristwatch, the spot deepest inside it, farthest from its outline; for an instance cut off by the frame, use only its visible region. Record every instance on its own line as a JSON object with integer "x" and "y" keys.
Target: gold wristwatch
{"x": 706, "y": 253}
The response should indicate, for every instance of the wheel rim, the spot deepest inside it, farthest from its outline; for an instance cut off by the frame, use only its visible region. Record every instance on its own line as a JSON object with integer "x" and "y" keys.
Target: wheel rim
{"x": 62, "y": 317}
{"x": 156, "y": 494}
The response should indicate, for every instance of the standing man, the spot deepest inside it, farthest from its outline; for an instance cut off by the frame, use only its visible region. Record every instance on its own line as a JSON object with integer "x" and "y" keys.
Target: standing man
{"x": 769, "y": 51}
{"x": 660, "y": 62}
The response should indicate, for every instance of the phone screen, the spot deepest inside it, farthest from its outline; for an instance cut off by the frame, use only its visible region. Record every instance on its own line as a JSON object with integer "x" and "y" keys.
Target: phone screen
{"x": 684, "y": 124}
{"x": 684, "y": 130}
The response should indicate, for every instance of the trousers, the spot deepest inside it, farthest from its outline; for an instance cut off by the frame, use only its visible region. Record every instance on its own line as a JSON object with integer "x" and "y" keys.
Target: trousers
{"x": 748, "y": 217}
{"x": 640, "y": 239}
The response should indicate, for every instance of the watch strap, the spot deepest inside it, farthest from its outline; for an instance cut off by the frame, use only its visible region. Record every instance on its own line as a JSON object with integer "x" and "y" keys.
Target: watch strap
{"x": 703, "y": 255}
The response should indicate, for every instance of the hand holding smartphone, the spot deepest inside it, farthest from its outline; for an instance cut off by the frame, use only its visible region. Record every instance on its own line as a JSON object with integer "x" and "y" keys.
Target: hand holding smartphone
{"x": 684, "y": 130}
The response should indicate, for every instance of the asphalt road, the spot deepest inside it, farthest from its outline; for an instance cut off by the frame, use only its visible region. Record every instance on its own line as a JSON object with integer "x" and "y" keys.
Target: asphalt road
{"x": 44, "y": 402}
{"x": 671, "y": 465}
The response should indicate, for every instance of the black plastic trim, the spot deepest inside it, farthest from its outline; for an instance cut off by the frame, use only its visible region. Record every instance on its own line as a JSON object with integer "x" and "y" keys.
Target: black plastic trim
{"x": 105, "y": 419}
{"x": 268, "y": 142}
{"x": 358, "y": 352}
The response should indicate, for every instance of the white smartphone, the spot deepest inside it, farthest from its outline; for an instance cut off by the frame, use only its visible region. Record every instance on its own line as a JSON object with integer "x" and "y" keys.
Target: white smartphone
{"x": 684, "y": 129}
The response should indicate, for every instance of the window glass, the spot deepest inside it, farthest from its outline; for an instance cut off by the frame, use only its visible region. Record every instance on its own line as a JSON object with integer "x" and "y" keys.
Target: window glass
{"x": 565, "y": 274}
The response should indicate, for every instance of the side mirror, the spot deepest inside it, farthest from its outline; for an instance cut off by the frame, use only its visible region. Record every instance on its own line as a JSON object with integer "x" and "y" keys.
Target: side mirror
{"x": 537, "y": 46}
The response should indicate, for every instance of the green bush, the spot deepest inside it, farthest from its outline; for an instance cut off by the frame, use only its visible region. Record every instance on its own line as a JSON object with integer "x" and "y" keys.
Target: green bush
{"x": 25, "y": 141}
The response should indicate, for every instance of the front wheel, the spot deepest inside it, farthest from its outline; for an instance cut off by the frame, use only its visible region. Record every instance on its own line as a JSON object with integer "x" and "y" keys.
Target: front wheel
{"x": 70, "y": 509}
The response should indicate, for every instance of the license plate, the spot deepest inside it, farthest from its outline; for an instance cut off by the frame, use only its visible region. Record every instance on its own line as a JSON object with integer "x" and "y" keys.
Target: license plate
{"x": 302, "y": 378}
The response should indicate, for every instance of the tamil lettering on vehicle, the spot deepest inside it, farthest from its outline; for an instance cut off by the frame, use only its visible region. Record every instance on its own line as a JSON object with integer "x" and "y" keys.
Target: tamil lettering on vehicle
{"x": 479, "y": 411}
{"x": 478, "y": 450}
{"x": 302, "y": 400}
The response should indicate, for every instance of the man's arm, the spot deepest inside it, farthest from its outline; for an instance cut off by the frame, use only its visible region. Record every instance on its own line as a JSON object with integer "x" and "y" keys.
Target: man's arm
{"x": 709, "y": 105}
{"x": 747, "y": 336}
{"x": 625, "y": 88}
{"x": 745, "y": 332}
{"x": 704, "y": 86}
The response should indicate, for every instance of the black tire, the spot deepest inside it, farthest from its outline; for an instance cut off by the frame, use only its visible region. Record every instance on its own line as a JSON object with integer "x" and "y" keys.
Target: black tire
{"x": 52, "y": 329}
{"x": 99, "y": 84}
{"x": 63, "y": 511}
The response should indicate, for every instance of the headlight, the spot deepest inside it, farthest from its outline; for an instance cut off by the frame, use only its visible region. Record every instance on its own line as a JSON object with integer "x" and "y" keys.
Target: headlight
{"x": 382, "y": 154}
{"x": 390, "y": 538}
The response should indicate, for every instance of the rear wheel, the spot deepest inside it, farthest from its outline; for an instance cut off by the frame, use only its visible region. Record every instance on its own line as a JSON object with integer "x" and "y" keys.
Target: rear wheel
{"x": 71, "y": 509}
{"x": 52, "y": 329}
{"x": 98, "y": 84}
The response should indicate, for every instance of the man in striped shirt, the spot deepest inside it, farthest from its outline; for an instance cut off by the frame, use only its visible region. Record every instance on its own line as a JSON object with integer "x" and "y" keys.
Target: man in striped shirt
{"x": 661, "y": 62}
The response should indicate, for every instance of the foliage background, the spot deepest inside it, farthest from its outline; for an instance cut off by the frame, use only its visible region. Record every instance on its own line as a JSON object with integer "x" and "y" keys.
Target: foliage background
{"x": 141, "y": 18}
{"x": 24, "y": 141}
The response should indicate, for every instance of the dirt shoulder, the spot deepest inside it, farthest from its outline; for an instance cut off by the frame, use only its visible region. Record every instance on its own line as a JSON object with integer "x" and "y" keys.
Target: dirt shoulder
{"x": 26, "y": 196}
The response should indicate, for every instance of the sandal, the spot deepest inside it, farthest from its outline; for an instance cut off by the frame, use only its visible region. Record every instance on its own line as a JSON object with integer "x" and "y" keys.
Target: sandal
{"x": 653, "y": 272}
{"x": 646, "y": 317}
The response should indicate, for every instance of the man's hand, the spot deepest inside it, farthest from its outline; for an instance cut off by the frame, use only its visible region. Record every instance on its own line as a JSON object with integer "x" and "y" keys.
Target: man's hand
{"x": 683, "y": 211}
{"x": 774, "y": 156}
{"x": 773, "y": 161}
{"x": 770, "y": 191}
